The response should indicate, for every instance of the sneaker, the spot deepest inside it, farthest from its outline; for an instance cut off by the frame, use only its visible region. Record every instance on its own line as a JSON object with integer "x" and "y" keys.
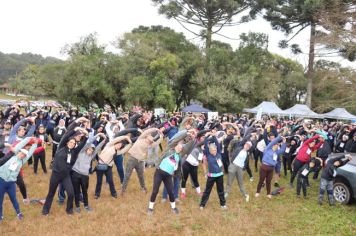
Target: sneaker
{"x": 45, "y": 213}
{"x": 276, "y": 185}
{"x": 96, "y": 197}
{"x": 114, "y": 196}
{"x": 226, "y": 195}
{"x": 164, "y": 200}
{"x": 269, "y": 196}
{"x": 77, "y": 209}
{"x": 320, "y": 201}
{"x": 20, "y": 216}
{"x": 257, "y": 195}
{"x": 201, "y": 208}
{"x": 88, "y": 208}
{"x": 1, "y": 218}
{"x": 150, "y": 211}
{"x": 224, "y": 207}
{"x": 175, "y": 210}
{"x": 251, "y": 179}
{"x": 26, "y": 201}
{"x": 183, "y": 196}
{"x": 247, "y": 198}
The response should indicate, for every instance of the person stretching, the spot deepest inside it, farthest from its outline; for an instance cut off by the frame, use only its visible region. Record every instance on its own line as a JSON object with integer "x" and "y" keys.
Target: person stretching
{"x": 9, "y": 172}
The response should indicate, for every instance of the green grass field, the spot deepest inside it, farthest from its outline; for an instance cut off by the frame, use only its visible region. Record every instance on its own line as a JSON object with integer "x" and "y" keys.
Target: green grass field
{"x": 283, "y": 215}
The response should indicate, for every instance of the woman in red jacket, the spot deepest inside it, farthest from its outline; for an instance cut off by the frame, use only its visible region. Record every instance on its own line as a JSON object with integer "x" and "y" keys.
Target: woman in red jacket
{"x": 304, "y": 154}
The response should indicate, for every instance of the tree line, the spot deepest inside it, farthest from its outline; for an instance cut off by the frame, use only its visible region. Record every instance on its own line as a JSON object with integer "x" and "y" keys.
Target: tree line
{"x": 158, "y": 67}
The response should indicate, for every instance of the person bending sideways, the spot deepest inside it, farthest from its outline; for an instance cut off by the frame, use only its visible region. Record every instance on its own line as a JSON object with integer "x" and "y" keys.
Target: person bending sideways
{"x": 269, "y": 161}
{"x": 215, "y": 173}
{"x": 9, "y": 172}
{"x": 328, "y": 175}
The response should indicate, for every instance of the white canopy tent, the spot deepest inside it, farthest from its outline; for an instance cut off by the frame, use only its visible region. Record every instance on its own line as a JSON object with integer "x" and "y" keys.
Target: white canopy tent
{"x": 269, "y": 108}
{"x": 339, "y": 114}
{"x": 301, "y": 110}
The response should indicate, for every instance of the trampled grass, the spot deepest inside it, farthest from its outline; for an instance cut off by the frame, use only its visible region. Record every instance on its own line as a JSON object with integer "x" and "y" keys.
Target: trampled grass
{"x": 283, "y": 215}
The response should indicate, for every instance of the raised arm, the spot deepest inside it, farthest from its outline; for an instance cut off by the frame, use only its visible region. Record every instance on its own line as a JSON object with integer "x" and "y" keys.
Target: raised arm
{"x": 99, "y": 147}
{"x": 21, "y": 144}
{"x": 30, "y": 152}
{"x": 311, "y": 139}
{"x": 17, "y": 126}
{"x": 274, "y": 142}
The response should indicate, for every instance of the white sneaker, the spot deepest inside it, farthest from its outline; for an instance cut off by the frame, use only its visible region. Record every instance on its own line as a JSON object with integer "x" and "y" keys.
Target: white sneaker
{"x": 257, "y": 195}
{"x": 224, "y": 207}
{"x": 247, "y": 198}
{"x": 226, "y": 195}
{"x": 251, "y": 179}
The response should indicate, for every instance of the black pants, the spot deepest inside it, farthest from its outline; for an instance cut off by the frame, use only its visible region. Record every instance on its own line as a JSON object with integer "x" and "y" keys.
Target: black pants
{"x": 21, "y": 184}
{"x": 317, "y": 170}
{"x": 160, "y": 176}
{"x": 226, "y": 162}
{"x": 109, "y": 180}
{"x": 219, "y": 187}
{"x": 287, "y": 163}
{"x": 54, "y": 150}
{"x": 296, "y": 166}
{"x": 191, "y": 170}
{"x": 42, "y": 158}
{"x": 247, "y": 167}
{"x": 257, "y": 155}
{"x": 302, "y": 184}
{"x": 53, "y": 184}
{"x": 80, "y": 185}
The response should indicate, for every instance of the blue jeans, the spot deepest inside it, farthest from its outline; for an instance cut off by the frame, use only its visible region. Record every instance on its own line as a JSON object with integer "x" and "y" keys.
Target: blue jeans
{"x": 176, "y": 183}
{"x": 99, "y": 181}
{"x": 10, "y": 189}
{"x": 119, "y": 166}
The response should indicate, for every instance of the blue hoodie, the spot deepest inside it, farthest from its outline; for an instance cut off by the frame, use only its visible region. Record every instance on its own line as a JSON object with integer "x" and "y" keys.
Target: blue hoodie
{"x": 270, "y": 157}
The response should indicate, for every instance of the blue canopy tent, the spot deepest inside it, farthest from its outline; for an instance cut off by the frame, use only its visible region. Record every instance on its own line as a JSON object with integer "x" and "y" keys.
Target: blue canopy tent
{"x": 195, "y": 108}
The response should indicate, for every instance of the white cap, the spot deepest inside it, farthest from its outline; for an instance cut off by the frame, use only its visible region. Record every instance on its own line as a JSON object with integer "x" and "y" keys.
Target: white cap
{"x": 24, "y": 151}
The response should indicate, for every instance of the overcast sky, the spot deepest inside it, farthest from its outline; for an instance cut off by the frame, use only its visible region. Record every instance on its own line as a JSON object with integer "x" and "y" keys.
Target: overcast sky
{"x": 45, "y": 26}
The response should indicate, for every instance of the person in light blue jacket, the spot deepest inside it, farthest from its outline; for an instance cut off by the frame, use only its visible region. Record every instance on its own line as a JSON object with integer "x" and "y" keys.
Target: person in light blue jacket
{"x": 9, "y": 172}
{"x": 269, "y": 161}
{"x": 170, "y": 163}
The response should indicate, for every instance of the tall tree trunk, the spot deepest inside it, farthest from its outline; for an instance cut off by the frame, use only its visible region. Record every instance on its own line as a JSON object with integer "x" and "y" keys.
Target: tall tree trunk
{"x": 209, "y": 29}
{"x": 310, "y": 72}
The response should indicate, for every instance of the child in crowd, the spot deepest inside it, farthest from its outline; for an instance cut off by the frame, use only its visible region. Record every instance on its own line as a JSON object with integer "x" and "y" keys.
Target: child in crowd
{"x": 303, "y": 173}
{"x": 328, "y": 175}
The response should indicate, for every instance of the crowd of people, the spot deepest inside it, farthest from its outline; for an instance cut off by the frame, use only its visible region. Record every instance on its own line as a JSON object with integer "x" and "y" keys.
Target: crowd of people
{"x": 91, "y": 142}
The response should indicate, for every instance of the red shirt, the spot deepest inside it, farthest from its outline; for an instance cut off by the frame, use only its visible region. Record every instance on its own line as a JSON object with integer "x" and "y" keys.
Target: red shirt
{"x": 305, "y": 151}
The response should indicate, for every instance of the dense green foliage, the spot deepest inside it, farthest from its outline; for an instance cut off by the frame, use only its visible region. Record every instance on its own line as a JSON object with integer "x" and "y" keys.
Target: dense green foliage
{"x": 12, "y": 64}
{"x": 158, "y": 67}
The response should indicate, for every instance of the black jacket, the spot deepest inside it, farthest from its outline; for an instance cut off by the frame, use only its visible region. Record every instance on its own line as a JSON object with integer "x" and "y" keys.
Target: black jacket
{"x": 324, "y": 151}
{"x": 328, "y": 171}
{"x": 62, "y": 161}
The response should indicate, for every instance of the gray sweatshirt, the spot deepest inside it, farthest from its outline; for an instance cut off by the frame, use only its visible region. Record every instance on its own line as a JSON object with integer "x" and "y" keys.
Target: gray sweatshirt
{"x": 83, "y": 161}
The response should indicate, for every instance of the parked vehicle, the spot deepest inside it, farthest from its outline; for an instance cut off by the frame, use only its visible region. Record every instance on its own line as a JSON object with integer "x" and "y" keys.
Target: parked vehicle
{"x": 345, "y": 182}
